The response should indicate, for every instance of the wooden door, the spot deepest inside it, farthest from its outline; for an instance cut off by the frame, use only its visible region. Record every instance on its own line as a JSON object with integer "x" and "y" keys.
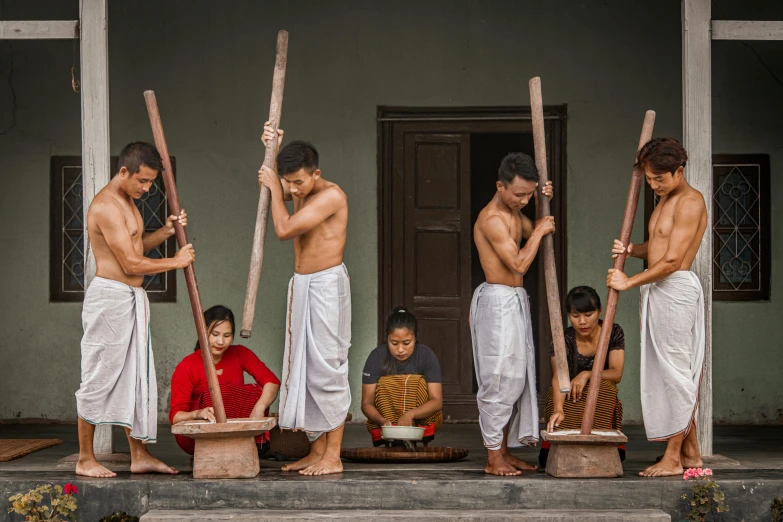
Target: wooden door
{"x": 436, "y": 251}
{"x": 425, "y": 229}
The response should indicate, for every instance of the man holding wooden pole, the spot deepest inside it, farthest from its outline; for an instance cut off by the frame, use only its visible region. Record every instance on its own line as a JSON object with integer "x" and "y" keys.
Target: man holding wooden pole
{"x": 501, "y": 326}
{"x": 117, "y": 370}
{"x": 672, "y": 307}
{"x": 315, "y": 395}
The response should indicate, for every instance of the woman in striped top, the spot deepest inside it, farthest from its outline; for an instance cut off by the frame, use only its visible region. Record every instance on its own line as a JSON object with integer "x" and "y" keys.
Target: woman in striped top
{"x": 190, "y": 398}
{"x": 401, "y": 381}
{"x": 565, "y": 411}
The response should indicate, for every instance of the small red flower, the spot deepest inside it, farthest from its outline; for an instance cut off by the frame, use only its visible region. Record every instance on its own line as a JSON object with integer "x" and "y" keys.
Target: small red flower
{"x": 70, "y": 489}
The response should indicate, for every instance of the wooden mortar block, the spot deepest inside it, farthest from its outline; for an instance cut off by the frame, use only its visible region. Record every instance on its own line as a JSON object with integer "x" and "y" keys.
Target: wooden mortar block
{"x": 573, "y": 455}
{"x": 225, "y": 450}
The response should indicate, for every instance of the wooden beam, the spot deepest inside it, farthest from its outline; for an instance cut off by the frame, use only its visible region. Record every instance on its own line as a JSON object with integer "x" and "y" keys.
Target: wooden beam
{"x": 697, "y": 134}
{"x": 747, "y": 30}
{"x": 39, "y": 30}
{"x": 95, "y": 136}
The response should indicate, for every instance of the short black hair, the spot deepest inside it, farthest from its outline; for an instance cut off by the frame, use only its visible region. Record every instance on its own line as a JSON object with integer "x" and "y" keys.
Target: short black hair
{"x": 662, "y": 156}
{"x": 297, "y": 155}
{"x": 582, "y": 299}
{"x": 139, "y": 153}
{"x": 517, "y": 164}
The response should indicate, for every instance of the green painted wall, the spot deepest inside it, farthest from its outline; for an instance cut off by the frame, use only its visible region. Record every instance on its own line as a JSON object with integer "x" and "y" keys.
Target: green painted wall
{"x": 211, "y": 65}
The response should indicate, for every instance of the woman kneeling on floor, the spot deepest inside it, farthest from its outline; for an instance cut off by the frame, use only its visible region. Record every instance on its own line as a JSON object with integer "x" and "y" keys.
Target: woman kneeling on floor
{"x": 401, "y": 381}
{"x": 190, "y": 398}
{"x": 565, "y": 411}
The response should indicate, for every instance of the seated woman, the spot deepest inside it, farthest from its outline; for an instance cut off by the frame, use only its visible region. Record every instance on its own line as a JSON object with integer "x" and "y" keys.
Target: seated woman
{"x": 190, "y": 398}
{"x": 401, "y": 382}
{"x": 565, "y": 411}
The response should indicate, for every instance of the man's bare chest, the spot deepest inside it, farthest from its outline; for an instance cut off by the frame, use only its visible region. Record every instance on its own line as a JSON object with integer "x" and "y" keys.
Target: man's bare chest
{"x": 661, "y": 221}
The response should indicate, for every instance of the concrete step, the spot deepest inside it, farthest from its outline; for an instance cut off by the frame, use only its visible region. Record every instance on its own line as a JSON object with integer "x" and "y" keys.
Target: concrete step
{"x": 524, "y": 515}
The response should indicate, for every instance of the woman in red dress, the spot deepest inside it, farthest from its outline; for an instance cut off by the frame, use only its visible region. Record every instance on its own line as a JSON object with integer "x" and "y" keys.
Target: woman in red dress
{"x": 190, "y": 398}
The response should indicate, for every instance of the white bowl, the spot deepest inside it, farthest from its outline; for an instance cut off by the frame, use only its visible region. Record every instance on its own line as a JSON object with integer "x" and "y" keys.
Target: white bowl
{"x": 402, "y": 432}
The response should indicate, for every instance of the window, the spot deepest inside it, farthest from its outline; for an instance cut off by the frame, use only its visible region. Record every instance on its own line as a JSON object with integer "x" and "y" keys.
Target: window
{"x": 66, "y": 263}
{"x": 741, "y": 229}
{"x": 741, "y": 253}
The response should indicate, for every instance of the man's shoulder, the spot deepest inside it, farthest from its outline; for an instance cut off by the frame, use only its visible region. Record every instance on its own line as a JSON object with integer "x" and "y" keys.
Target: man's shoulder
{"x": 690, "y": 202}
{"x": 105, "y": 204}
{"x": 333, "y": 192}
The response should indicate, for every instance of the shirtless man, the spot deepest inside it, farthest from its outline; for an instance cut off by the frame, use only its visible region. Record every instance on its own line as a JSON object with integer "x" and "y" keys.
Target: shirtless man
{"x": 315, "y": 394}
{"x": 500, "y": 316}
{"x": 118, "y": 373}
{"x": 672, "y": 307}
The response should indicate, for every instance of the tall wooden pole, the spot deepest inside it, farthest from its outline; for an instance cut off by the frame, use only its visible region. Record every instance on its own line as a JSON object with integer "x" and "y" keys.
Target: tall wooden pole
{"x": 190, "y": 272}
{"x": 631, "y": 204}
{"x": 550, "y": 268}
{"x": 262, "y": 217}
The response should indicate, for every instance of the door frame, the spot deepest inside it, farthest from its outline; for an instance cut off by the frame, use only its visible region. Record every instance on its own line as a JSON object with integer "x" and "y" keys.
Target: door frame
{"x": 472, "y": 120}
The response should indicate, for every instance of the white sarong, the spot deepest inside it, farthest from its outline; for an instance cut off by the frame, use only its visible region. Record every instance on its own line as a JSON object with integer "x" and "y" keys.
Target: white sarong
{"x": 118, "y": 372}
{"x": 672, "y": 315}
{"x": 315, "y": 395}
{"x": 504, "y": 358}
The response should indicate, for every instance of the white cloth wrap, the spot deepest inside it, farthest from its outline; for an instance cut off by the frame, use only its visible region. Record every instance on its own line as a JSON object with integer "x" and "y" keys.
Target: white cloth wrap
{"x": 118, "y": 383}
{"x": 504, "y": 358}
{"x": 315, "y": 395}
{"x": 672, "y": 354}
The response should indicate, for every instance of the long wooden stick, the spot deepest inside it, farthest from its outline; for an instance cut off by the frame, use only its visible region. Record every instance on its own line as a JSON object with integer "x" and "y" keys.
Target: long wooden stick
{"x": 550, "y": 268}
{"x": 262, "y": 217}
{"x": 619, "y": 263}
{"x": 182, "y": 240}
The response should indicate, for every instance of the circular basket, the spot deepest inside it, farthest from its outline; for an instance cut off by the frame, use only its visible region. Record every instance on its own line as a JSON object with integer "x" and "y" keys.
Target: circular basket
{"x": 401, "y": 455}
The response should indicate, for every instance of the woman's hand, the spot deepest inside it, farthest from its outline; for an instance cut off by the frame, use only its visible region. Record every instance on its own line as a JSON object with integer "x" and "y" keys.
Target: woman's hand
{"x": 406, "y": 419}
{"x": 578, "y": 384}
{"x": 205, "y": 414}
{"x": 554, "y": 421}
{"x": 386, "y": 423}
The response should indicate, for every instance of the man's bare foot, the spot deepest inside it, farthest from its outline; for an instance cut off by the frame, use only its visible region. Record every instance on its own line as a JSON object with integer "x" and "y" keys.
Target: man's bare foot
{"x": 691, "y": 463}
{"x": 664, "y": 468}
{"x": 690, "y": 456}
{"x": 521, "y": 465}
{"x": 305, "y": 462}
{"x": 325, "y": 466}
{"x": 149, "y": 464}
{"x": 91, "y": 468}
{"x": 497, "y": 465}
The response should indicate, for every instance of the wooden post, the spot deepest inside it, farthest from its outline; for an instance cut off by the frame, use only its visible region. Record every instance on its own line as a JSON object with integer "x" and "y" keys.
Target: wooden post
{"x": 550, "y": 270}
{"x": 96, "y": 164}
{"x": 262, "y": 217}
{"x": 697, "y": 134}
{"x": 631, "y": 203}
{"x": 190, "y": 272}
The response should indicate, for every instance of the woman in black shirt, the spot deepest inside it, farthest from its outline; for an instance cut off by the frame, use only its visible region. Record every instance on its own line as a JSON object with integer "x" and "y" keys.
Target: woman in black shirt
{"x": 565, "y": 411}
{"x": 401, "y": 381}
